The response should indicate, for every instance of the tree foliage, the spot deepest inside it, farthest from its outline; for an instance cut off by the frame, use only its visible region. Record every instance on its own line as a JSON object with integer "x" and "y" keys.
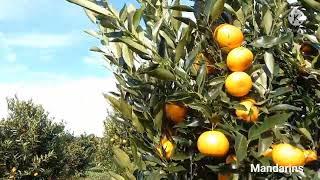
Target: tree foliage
{"x": 115, "y": 135}
{"x": 152, "y": 49}
{"x": 33, "y": 146}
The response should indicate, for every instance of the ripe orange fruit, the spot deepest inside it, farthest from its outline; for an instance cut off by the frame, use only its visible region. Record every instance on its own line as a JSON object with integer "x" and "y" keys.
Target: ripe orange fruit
{"x": 167, "y": 146}
{"x": 239, "y": 59}
{"x": 225, "y": 176}
{"x": 267, "y": 153}
{"x": 310, "y": 155}
{"x": 238, "y": 84}
{"x": 252, "y": 112}
{"x": 287, "y": 155}
{"x": 175, "y": 112}
{"x": 197, "y": 63}
{"x": 213, "y": 143}
{"x": 228, "y": 37}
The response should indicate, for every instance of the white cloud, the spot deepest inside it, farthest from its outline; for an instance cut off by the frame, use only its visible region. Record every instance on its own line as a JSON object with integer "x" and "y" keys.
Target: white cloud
{"x": 78, "y": 102}
{"x": 40, "y": 40}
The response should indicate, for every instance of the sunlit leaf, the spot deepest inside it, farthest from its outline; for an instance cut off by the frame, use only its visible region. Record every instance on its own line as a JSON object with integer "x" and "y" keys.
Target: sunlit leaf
{"x": 134, "y": 46}
{"x": 268, "y": 41}
{"x": 269, "y": 123}
{"x": 267, "y": 21}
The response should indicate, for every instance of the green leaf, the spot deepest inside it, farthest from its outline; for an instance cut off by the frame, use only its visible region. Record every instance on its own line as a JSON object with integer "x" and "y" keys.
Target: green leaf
{"x": 126, "y": 109}
{"x": 174, "y": 169}
{"x": 154, "y": 175}
{"x": 127, "y": 56}
{"x": 137, "y": 160}
{"x": 264, "y": 144}
{"x": 162, "y": 74}
{"x": 280, "y": 91}
{"x": 134, "y": 46}
{"x": 121, "y": 158}
{"x": 179, "y": 156}
{"x": 201, "y": 77}
{"x": 168, "y": 39}
{"x": 318, "y": 34}
{"x": 181, "y": 8}
{"x": 268, "y": 124}
{"x": 158, "y": 120}
{"x": 201, "y": 108}
{"x": 260, "y": 81}
{"x": 91, "y": 6}
{"x": 180, "y": 49}
{"x": 269, "y": 60}
{"x": 115, "y": 176}
{"x": 213, "y": 168}
{"x": 137, "y": 17}
{"x": 268, "y": 41}
{"x": 156, "y": 28}
{"x": 187, "y": 21}
{"x": 313, "y": 4}
{"x": 217, "y": 9}
{"x": 136, "y": 123}
{"x": 192, "y": 56}
{"x": 113, "y": 101}
{"x": 217, "y": 81}
{"x": 241, "y": 145}
{"x": 284, "y": 107}
{"x": 306, "y": 134}
{"x": 208, "y": 7}
{"x": 267, "y": 21}
{"x": 175, "y": 23}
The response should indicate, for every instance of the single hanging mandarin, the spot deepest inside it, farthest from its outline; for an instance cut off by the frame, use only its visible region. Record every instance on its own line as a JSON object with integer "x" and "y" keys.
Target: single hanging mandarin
{"x": 213, "y": 143}
{"x": 287, "y": 155}
{"x": 167, "y": 146}
{"x": 175, "y": 112}
{"x": 238, "y": 84}
{"x": 197, "y": 63}
{"x": 252, "y": 112}
{"x": 239, "y": 59}
{"x": 228, "y": 37}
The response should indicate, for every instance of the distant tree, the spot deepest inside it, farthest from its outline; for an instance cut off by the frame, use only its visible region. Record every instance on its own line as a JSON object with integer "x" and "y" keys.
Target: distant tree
{"x": 80, "y": 154}
{"x": 33, "y": 146}
{"x": 115, "y": 136}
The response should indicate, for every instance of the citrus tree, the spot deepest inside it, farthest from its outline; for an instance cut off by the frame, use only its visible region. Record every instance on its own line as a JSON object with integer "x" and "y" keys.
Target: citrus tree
{"x": 211, "y": 95}
{"x": 116, "y": 135}
{"x": 32, "y": 146}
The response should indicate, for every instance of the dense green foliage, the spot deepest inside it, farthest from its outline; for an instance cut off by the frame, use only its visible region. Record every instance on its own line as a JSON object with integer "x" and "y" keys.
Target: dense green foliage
{"x": 32, "y": 145}
{"x": 152, "y": 50}
{"x": 115, "y": 135}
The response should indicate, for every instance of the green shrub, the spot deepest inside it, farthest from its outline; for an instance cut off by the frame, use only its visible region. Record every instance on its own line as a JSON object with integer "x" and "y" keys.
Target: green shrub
{"x": 32, "y": 145}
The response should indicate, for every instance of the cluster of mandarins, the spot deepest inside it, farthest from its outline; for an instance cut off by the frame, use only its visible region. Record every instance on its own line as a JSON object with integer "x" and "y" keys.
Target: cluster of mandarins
{"x": 214, "y": 143}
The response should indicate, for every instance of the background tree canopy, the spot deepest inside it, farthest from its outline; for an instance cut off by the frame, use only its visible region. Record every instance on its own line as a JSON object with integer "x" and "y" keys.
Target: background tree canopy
{"x": 33, "y": 146}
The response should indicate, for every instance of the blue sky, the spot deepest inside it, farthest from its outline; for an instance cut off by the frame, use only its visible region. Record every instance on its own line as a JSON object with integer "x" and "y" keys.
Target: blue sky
{"x": 40, "y": 38}
{"x": 44, "y": 56}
